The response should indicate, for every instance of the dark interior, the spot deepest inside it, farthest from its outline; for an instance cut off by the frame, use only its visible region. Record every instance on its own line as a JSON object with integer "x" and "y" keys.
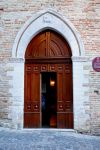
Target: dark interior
{"x": 49, "y": 100}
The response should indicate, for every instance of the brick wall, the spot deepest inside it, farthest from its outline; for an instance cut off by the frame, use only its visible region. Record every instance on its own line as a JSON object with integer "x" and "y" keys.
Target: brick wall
{"x": 84, "y": 15}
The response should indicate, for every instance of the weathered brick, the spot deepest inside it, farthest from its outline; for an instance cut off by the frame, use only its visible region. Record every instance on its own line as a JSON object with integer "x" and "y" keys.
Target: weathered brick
{"x": 84, "y": 15}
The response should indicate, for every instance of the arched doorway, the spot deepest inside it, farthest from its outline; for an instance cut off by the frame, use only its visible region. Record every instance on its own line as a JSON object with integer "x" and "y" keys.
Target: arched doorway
{"x": 48, "y": 99}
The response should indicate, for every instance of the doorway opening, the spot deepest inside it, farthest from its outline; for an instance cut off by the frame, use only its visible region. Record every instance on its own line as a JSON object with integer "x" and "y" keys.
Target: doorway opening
{"x": 49, "y": 99}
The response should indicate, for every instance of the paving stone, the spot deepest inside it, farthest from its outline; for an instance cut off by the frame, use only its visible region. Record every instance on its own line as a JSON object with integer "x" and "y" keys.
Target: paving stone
{"x": 47, "y": 140}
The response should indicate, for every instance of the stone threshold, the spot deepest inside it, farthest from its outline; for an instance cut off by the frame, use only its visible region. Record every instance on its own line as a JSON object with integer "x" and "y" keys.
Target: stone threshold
{"x": 49, "y": 129}
{"x": 38, "y": 129}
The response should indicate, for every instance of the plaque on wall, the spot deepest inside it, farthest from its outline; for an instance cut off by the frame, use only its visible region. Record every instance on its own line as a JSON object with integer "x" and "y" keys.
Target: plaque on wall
{"x": 96, "y": 64}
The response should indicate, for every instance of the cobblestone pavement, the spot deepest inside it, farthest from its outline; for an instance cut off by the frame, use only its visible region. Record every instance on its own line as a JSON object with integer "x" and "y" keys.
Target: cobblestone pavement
{"x": 47, "y": 140}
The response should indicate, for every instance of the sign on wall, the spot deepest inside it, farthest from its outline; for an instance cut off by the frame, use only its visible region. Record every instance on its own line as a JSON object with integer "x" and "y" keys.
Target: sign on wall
{"x": 96, "y": 64}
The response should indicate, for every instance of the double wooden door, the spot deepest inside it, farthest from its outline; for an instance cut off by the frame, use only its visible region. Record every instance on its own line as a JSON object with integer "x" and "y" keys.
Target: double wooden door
{"x": 33, "y": 95}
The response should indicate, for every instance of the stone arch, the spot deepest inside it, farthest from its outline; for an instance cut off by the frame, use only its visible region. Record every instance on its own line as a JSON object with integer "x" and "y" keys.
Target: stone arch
{"x": 47, "y": 20}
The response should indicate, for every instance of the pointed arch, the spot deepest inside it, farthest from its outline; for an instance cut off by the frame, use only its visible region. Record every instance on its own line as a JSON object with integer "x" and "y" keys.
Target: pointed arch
{"x": 47, "y": 20}
{"x": 48, "y": 44}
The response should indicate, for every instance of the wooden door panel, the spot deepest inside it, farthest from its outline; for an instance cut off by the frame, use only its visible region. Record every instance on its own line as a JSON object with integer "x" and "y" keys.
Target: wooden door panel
{"x": 67, "y": 86}
{"x": 69, "y": 120}
{"x": 31, "y": 120}
{"x": 32, "y": 106}
{"x": 35, "y": 87}
{"x": 48, "y": 44}
{"x": 35, "y": 68}
{"x": 59, "y": 86}
{"x": 60, "y": 106}
{"x": 68, "y": 106}
{"x": 28, "y": 85}
{"x": 35, "y": 120}
{"x": 44, "y": 67}
{"x": 52, "y": 67}
{"x": 32, "y": 96}
{"x": 28, "y": 106}
{"x": 64, "y": 97}
{"x": 61, "y": 120}
{"x": 27, "y": 120}
{"x": 64, "y": 120}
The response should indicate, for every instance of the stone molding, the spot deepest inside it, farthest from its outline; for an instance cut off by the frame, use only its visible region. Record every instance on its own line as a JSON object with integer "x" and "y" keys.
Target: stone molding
{"x": 12, "y": 60}
{"x": 80, "y": 59}
{"x": 47, "y": 20}
{"x": 74, "y": 59}
{"x": 16, "y": 60}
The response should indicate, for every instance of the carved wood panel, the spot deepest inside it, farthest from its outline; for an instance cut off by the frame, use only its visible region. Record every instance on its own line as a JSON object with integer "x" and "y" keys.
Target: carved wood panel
{"x": 48, "y": 44}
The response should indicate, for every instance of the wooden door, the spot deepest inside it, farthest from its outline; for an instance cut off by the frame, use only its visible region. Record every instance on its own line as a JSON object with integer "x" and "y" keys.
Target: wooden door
{"x": 64, "y": 96}
{"x": 48, "y": 52}
{"x": 32, "y": 96}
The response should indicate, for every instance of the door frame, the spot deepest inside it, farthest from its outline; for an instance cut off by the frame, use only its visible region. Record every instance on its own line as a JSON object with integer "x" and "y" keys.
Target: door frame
{"x": 43, "y": 20}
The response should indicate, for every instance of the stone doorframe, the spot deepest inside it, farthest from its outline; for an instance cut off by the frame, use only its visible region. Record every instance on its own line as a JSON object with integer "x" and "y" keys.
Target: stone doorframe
{"x": 47, "y": 20}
